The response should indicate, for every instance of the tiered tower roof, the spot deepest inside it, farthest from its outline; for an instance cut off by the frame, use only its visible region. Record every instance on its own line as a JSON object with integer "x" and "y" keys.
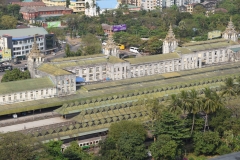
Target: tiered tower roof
{"x": 230, "y": 28}
{"x": 35, "y": 52}
{"x": 110, "y": 41}
{"x": 170, "y": 35}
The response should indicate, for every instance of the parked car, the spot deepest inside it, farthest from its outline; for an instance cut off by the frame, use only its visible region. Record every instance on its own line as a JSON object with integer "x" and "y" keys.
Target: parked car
{"x": 134, "y": 49}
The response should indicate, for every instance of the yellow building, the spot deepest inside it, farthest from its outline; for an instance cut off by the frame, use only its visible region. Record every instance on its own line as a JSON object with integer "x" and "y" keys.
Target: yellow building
{"x": 54, "y": 2}
{"x": 6, "y": 54}
{"x": 75, "y": 5}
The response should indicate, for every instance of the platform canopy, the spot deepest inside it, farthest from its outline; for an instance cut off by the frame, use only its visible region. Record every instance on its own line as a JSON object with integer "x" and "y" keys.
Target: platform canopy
{"x": 80, "y": 79}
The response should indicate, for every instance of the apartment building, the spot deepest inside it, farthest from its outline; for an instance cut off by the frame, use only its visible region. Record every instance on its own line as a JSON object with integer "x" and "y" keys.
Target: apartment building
{"x": 77, "y": 5}
{"x": 20, "y": 40}
{"x": 148, "y": 4}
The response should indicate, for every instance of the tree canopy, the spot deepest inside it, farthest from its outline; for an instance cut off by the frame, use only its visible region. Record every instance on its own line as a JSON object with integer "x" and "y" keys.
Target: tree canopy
{"x": 15, "y": 75}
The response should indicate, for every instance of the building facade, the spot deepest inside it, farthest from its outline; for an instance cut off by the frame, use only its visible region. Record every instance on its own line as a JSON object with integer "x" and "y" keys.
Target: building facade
{"x": 32, "y": 13}
{"x": 20, "y": 41}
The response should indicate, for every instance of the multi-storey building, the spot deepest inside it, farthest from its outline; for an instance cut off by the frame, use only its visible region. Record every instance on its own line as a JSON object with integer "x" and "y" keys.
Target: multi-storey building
{"x": 149, "y": 4}
{"x": 20, "y": 41}
{"x": 33, "y": 13}
{"x": 77, "y": 5}
{"x": 132, "y": 2}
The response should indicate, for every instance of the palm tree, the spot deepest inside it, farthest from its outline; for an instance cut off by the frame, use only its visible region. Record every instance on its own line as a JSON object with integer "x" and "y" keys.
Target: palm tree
{"x": 211, "y": 102}
{"x": 184, "y": 101}
{"x": 195, "y": 104}
{"x": 174, "y": 103}
{"x": 229, "y": 89}
{"x": 97, "y": 9}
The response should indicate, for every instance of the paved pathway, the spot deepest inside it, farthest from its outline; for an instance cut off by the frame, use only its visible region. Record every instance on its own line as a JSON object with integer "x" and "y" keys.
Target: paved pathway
{"x": 33, "y": 124}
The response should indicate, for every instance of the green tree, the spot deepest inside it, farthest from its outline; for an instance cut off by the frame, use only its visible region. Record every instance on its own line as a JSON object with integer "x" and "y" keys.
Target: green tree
{"x": 15, "y": 75}
{"x": 53, "y": 148}
{"x": 17, "y": 146}
{"x": 206, "y": 142}
{"x": 171, "y": 125}
{"x": 91, "y": 45}
{"x": 211, "y": 103}
{"x": 195, "y": 105}
{"x": 164, "y": 148}
{"x": 218, "y": 120}
{"x": 8, "y": 22}
{"x": 74, "y": 152}
{"x": 131, "y": 145}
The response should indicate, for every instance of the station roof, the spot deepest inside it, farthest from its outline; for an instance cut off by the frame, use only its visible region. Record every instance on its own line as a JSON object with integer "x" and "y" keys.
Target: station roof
{"x": 78, "y": 57}
{"x": 237, "y": 49}
{"x": 50, "y": 69}
{"x": 88, "y": 61}
{"x": 204, "y": 45}
{"x": 154, "y": 58}
{"x": 25, "y": 85}
{"x": 23, "y": 32}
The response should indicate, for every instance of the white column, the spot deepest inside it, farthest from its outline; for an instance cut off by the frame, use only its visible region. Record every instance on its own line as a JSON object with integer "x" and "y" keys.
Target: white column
{"x": 100, "y": 73}
{"x": 173, "y": 68}
{"x": 207, "y": 57}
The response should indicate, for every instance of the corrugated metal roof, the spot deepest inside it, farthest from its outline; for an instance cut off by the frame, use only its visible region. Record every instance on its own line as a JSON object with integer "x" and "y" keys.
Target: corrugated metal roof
{"x": 23, "y": 32}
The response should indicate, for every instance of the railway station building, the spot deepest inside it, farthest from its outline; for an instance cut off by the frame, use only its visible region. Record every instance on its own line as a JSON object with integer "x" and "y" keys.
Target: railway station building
{"x": 58, "y": 77}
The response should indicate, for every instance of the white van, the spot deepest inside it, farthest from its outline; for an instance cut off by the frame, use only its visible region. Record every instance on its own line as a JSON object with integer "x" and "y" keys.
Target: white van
{"x": 133, "y": 49}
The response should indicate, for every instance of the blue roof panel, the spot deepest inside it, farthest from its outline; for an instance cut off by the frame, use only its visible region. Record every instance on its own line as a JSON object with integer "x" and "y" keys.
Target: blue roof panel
{"x": 107, "y": 4}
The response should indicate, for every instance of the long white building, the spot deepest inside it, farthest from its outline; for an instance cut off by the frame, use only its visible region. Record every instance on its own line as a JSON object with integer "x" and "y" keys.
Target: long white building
{"x": 58, "y": 77}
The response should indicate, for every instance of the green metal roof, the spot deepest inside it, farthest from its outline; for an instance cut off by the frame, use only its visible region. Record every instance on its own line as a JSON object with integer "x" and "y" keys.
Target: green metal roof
{"x": 204, "y": 45}
{"x": 154, "y": 58}
{"x": 50, "y": 69}
{"x": 235, "y": 49}
{"x": 25, "y": 85}
{"x": 77, "y": 58}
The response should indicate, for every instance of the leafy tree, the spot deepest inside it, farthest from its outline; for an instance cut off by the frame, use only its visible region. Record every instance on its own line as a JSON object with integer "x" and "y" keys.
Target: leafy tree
{"x": 59, "y": 33}
{"x": 171, "y": 125}
{"x": 8, "y": 22}
{"x": 195, "y": 105}
{"x": 91, "y": 45}
{"x": 211, "y": 103}
{"x": 87, "y": 6}
{"x": 131, "y": 145}
{"x": 199, "y": 9}
{"x": 53, "y": 148}
{"x": 17, "y": 146}
{"x": 74, "y": 152}
{"x": 206, "y": 143}
{"x": 164, "y": 148}
{"x": 218, "y": 119}
{"x": 15, "y": 75}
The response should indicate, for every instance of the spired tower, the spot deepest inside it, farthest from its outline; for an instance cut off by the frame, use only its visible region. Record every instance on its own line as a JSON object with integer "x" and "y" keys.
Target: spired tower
{"x": 110, "y": 49}
{"x": 170, "y": 43}
{"x": 34, "y": 59}
{"x": 230, "y": 32}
